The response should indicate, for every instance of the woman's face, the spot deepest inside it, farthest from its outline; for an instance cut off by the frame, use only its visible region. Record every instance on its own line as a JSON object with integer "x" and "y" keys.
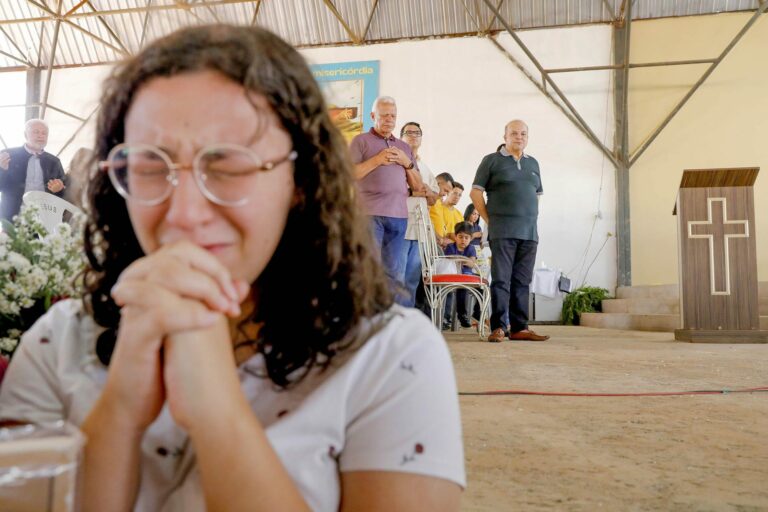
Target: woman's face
{"x": 474, "y": 216}
{"x": 181, "y": 115}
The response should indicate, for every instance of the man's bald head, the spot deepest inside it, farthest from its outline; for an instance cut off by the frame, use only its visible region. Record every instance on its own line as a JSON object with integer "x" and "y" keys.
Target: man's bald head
{"x": 516, "y": 137}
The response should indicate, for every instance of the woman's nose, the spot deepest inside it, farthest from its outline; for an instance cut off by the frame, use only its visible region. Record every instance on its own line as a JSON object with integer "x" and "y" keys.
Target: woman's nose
{"x": 187, "y": 204}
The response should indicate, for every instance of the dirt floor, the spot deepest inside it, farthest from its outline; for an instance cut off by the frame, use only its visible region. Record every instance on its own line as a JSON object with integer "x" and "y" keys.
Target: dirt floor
{"x": 673, "y": 453}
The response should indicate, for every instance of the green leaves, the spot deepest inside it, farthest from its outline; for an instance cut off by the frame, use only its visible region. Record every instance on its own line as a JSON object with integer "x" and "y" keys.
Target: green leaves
{"x": 582, "y": 300}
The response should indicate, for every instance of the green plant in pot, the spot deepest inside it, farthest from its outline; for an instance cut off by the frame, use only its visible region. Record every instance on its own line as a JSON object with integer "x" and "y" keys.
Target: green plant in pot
{"x": 586, "y": 299}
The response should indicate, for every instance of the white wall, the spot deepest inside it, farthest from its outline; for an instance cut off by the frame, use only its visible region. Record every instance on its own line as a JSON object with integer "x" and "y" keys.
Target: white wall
{"x": 13, "y": 91}
{"x": 463, "y": 91}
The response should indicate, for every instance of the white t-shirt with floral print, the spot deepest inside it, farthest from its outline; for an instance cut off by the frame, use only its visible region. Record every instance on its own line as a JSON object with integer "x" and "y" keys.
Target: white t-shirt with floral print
{"x": 390, "y": 405}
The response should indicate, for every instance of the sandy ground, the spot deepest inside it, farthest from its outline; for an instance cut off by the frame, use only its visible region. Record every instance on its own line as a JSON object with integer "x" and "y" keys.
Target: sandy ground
{"x": 680, "y": 453}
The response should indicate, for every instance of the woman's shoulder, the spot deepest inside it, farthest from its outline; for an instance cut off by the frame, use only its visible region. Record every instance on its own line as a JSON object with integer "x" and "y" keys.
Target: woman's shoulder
{"x": 69, "y": 312}
{"x": 402, "y": 386}
{"x": 43, "y": 380}
{"x": 66, "y": 330}
{"x": 400, "y": 335}
{"x": 400, "y": 324}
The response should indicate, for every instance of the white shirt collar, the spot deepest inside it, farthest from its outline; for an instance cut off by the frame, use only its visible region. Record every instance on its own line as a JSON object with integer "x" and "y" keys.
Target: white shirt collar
{"x": 32, "y": 152}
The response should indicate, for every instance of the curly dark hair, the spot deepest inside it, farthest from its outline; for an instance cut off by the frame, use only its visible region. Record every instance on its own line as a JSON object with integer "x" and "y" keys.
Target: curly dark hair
{"x": 323, "y": 280}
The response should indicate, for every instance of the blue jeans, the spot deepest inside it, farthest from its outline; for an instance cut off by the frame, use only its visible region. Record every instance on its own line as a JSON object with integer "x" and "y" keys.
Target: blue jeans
{"x": 389, "y": 233}
{"x": 512, "y": 264}
{"x": 412, "y": 276}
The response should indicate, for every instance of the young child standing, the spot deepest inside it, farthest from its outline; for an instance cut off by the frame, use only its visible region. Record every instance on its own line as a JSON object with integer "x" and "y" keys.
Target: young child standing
{"x": 462, "y": 247}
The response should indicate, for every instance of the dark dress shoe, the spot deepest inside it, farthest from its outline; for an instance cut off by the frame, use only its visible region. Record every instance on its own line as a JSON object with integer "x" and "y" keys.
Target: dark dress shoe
{"x": 527, "y": 335}
{"x": 497, "y": 336}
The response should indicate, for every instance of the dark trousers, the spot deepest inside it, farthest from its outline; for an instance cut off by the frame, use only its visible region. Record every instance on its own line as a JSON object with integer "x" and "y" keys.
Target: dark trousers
{"x": 512, "y": 262}
{"x": 461, "y": 306}
{"x": 421, "y": 302}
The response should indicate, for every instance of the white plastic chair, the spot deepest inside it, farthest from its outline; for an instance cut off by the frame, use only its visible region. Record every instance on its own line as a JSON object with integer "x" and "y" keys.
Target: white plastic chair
{"x": 438, "y": 284}
{"x": 51, "y": 208}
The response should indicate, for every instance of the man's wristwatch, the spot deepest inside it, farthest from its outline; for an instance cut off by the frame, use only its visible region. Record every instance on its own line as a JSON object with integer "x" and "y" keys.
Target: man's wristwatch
{"x": 409, "y": 166}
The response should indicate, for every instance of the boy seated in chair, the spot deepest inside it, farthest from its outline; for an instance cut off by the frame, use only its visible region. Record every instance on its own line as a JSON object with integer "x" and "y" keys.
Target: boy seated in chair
{"x": 462, "y": 247}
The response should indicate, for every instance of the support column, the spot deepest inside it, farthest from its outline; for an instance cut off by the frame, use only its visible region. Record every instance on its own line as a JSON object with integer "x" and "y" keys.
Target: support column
{"x": 33, "y": 93}
{"x": 621, "y": 34}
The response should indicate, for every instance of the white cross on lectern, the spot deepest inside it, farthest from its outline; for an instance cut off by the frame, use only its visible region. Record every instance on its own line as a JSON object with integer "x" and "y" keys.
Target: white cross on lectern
{"x": 719, "y": 226}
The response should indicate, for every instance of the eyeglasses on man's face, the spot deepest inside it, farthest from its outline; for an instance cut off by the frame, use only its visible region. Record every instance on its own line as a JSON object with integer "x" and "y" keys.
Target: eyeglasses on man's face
{"x": 224, "y": 173}
{"x": 412, "y": 133}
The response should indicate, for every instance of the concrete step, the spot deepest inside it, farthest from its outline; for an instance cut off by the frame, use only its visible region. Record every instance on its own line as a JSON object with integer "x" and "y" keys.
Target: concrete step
{"x": 643, "y": 306}
{"x": 663, "y": 299}
{"x": 658, "y": 291}
{"x": 643, "y": 322}
{"x": 670, "y": 291}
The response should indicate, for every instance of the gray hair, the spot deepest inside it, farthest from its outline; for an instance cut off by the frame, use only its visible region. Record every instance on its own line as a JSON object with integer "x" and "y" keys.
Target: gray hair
{"x": 30, "y": 122}
{"x": 382, "y": 99}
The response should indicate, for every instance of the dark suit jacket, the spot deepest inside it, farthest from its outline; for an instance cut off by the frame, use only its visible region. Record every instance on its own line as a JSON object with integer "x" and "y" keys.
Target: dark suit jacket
{"x": 13, "y": 181}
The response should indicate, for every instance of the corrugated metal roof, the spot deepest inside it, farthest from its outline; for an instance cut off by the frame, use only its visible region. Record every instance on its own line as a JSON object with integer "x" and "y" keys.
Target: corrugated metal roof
{"x": 105, "y": 30}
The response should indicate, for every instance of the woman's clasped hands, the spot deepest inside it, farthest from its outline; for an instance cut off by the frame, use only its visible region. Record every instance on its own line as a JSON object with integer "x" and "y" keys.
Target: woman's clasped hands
{"x": 174, "y": 341}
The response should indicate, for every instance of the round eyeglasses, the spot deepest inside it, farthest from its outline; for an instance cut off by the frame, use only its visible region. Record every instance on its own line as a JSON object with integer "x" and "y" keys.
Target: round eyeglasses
{"x": 223, "y": 172}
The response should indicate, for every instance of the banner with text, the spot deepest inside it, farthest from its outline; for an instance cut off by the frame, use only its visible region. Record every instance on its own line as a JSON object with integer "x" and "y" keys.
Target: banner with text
{"x": 349, "y": 89}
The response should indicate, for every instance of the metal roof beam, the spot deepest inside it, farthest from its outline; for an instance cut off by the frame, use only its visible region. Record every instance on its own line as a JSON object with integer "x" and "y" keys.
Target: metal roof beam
{"x": 623, "y": 11}
{"x": 40, "y": 104}
{"x": 256, "y": 13}
{"x": 632, "y": 66}
{"x": 26, "y": 59}
{"x": 108, "y": 28}
{"x": 83, "y": 122}
{"x": 40, "y": 47}
{"x": 548, "y": 80}
{"x": 609, "y": 9}
{"x": 110, "y": 12}
{"x": 75, "y": 8}
{"x": 473, "y": 17}
{"x": 370, "y": 19}
{"x": 492, "y": 17}
{"x": 760, "y": 10}
{"x": 62, "y": 111}
{"x": 23, "y": 21}
{"x": 171, "y": 7}
{"x": 61, "y": 19}
{"x": 329, "y": 4}
{"x": 144, "y": 25}
{"x": 544, "y": 91}
{"x": 17, "y": 59}
{"x": 52, "y": 58}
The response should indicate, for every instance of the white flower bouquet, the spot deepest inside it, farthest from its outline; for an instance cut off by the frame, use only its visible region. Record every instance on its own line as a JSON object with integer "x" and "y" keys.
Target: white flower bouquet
{"x": 37, "y": 268}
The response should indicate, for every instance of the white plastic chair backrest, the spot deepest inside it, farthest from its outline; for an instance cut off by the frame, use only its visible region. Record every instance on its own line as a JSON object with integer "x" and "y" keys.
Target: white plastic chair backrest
{"x": 51, "y": 207}
{"x": 428, "y": 249}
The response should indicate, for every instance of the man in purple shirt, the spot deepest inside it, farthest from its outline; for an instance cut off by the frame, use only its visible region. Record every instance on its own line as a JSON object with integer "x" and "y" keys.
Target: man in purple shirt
{"x": 385, "y": 173}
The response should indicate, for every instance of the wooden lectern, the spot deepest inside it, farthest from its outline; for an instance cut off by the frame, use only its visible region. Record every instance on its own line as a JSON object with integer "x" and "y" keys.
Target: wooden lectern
{"x": 718, "y": 257}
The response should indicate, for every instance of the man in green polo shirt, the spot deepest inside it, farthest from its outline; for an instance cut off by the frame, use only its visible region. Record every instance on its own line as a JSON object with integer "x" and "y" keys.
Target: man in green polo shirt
{"x": 512, "y": 182}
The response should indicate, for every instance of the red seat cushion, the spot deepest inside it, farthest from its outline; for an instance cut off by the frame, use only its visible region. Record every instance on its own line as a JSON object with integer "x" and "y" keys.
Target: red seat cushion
{"x": 456, "y": 278}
